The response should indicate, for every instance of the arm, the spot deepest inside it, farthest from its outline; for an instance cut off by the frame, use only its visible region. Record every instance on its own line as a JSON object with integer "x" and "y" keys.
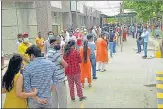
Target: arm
{"x": 45, "y": 49}
{"x": 64, "y": 63}
{"x": 19, "y": 89}
{"x": 79, "y": 57}
{"x": 21, "y": 52}
{"x": 27, "y": 81}
{"x": 3, "y": 91}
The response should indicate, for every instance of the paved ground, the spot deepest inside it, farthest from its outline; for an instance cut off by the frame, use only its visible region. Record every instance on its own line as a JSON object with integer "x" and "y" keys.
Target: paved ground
{"x": 122, "y": 85}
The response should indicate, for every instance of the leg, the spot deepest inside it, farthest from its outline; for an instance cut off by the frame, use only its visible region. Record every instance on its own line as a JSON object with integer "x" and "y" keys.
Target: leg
{"x": 138, "y": 46}
{"x": 93, "y": 63}
{"x": 114, "y": 47}
{"x": 78, "y": 85}
{"x": 99, "y": 65}
{"x": 103, "y": 66}
{"x": 55, "y": 98}
{"x": 145, "y": 49}
{"x": 111, "y": 48}
{"x": 62, "y": 95}
{"x": 70, "y": 79}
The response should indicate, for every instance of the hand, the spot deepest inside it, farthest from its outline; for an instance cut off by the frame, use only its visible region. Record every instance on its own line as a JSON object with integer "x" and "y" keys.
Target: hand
{"x": 42, "y": 101}
{"x": 52, "y": 88}
{"x": 35, "y": 91}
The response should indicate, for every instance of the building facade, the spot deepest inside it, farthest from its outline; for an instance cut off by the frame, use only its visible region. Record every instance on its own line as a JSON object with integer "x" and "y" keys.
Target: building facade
{"x": 42, "y": 16}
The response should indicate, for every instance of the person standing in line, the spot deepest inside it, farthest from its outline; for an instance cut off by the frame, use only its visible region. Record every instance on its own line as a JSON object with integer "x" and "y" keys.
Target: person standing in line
{"x": 59, "y": 95}
{"x": 85, "y": 33}
{"x": 12, "y": 85}
{"x": 19, "y": 40}
{"x": 41, "y": 74}
{"x": 102, "y": 53}
{"x": 79, "y": 38}
{"x": 145, "y": 36}
{"x": 111, "y": 42}
{"x": 40, "y": 43}
{"x": 47, "y": 43}
{"x": 23, "y": 47}
{"x": 92, "y": 46}
{"x": 115, "y": 42}
{"x": 73, "y": 73}
{"x": 85, "y": 65}
{"x": 133, "y": 31}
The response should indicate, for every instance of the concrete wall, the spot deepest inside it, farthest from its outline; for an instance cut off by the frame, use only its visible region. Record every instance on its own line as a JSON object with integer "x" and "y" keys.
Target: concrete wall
{"x": 17, "y": 18}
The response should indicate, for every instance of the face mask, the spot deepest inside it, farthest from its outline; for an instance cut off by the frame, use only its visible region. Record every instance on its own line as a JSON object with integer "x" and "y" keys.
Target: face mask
{"x": 20, "y": 39}
{"x": 57, "y": 47}
{"x": 26, "y": 40}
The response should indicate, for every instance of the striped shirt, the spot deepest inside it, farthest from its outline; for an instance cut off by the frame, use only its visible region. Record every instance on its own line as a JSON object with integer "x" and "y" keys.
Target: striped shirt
{"x": 39, "y": 74}
{"x": 55, "y": 56}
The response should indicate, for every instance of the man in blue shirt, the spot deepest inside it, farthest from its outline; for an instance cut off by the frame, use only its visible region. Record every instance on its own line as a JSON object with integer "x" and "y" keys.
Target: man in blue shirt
{"x": 145, "y": 36}
{"x": 111, "y": 42}
{"x": 40, "y": 74}
{"x": 92, "y": 46}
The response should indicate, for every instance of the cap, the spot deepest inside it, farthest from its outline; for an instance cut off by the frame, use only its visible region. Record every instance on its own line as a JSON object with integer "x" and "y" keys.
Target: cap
{"x": 25, "y": 34}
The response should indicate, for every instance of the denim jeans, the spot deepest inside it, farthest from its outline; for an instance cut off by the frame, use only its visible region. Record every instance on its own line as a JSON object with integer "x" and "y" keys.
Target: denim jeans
{"x": 93, "y": 63}
{"x": 114, "y": 47}
{"x": 145, "y": 48}
{"x": 139, "y": 46}
{"x": 111, "y": 48}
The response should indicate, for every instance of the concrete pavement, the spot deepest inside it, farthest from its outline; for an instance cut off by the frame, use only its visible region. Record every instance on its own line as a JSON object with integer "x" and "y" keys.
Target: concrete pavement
{"x": 122, "y": 85}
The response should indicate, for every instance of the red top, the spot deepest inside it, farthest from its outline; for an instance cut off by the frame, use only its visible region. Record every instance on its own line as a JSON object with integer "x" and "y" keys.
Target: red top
{"x": 79, "y": 41}
{"x": 73, "y": 60}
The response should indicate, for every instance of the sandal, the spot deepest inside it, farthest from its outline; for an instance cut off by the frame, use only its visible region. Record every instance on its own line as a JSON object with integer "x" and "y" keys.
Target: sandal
{"x": 83, "y": 98}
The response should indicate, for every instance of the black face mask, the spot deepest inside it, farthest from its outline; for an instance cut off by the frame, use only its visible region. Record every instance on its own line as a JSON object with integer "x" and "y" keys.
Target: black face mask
{"x": 57, "y": 47}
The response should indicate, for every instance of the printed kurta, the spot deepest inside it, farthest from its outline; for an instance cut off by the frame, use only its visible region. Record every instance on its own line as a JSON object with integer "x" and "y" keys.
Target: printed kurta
{"x": 101, "y": 53}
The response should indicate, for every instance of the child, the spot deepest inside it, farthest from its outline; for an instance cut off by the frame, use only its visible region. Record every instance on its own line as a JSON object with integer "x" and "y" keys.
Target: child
{"x": 85, "y": 66}
{"x": 73, "y": 59}
{"x": 92, "y": 46}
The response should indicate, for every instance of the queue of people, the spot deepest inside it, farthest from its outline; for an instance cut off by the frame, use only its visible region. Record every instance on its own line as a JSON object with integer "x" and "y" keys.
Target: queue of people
{"x": 35, "y": 77}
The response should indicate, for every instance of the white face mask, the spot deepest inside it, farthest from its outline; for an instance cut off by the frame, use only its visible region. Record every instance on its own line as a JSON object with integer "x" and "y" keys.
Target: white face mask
{"x": 26, "y": 40}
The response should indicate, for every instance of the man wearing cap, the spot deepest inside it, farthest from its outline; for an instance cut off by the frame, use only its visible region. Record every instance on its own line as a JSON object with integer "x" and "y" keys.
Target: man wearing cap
{"x": 23, "y": 47}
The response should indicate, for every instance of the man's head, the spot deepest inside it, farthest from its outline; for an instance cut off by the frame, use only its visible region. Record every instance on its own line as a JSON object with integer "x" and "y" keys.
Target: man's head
{"x": 85, "y": 31}
{"x": 77, "y": 30}
{"x": 90, "y": 37}
{"x": 103, "y": 35}
{"x": 19, "y": 37}
{"x": 50, "y": 33}
{"x": 56, "y": 42}
{"x": 25, "y": 38}
{"x": 39, "y": 34}
{"x": 145, "y": 29}
{"x": 33, "y": 52}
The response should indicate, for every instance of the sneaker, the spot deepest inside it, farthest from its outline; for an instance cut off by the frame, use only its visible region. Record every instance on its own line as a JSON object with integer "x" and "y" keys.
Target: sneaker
{"x": 94, "y": 77}
{"x": 89, "y": 85}
{"x": 83, "y": 98}
{"x": 103, "y": 70}
{"x": 98, "y": 70}
{"x": 73, "y": 99}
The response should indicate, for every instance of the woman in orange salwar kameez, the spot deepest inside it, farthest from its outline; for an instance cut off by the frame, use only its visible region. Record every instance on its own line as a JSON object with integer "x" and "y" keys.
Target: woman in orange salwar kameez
{"x": 85, "y": 66}
{"x": 102, "y": 53}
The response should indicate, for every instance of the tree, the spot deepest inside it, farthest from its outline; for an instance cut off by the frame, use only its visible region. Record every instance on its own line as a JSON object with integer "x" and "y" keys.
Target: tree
{"x": 145, "y": 9}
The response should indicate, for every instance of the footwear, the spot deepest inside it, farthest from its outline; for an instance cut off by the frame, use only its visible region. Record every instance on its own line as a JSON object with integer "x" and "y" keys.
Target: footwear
{"x": 98, "y": 70}
{"x": 73, "y": 99}
{"x": 83, "y": 98}
{"x": 89, "y": 85}
{"x": 144, "y": 57}
{"x": 94, "y": 77}
{"x": 103, "y": 70}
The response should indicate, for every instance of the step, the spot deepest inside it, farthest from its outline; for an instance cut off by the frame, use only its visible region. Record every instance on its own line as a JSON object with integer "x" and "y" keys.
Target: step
{"x": 159, "y": 95}
{"x": 159, "y": 78}
{"x": 160, "y": 86}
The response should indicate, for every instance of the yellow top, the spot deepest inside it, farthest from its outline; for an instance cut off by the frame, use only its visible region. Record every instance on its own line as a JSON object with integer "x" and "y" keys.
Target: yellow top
{"x": 39, "y": 42}
{"x": 22, "y": 49}
{"x": 12, "y": 101}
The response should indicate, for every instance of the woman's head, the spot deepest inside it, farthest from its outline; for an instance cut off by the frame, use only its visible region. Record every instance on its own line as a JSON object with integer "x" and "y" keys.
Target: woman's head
{"x": 13, "y": 68}
{"x": 70, "y": 45}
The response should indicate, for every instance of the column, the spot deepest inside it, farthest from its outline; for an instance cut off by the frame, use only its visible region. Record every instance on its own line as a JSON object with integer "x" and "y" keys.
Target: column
{"x": 44, "y": 17}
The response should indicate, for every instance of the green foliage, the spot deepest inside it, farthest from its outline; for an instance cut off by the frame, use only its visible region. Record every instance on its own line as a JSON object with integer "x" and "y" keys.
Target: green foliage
{"x": 145, "y": 9}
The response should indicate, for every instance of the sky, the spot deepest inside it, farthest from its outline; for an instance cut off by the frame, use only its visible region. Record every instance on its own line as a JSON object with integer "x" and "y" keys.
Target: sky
{"x": 109, "y": 8}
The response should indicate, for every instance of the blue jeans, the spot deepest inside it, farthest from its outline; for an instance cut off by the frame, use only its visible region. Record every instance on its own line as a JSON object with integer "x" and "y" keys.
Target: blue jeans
{"x": 114, "y": 47}
{"x": 111, "y": 48}
{"x": 139, "y": 46}
{"x": 145, "y": 48}
{"x": 93, "y": 63}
